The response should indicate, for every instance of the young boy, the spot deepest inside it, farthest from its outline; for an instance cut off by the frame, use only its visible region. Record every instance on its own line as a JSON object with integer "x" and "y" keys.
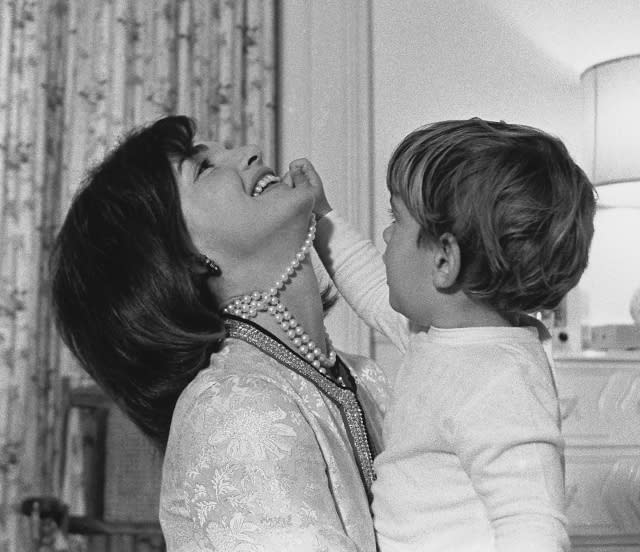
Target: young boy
{"x": 490, "y": 221}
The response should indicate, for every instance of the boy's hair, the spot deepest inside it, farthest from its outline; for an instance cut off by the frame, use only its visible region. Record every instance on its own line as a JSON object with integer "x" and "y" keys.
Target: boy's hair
{"x": 519, "y": 207}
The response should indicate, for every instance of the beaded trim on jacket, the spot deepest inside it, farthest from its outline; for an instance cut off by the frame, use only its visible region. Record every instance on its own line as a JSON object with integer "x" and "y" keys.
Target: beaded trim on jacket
{"x": 345, "y": 399}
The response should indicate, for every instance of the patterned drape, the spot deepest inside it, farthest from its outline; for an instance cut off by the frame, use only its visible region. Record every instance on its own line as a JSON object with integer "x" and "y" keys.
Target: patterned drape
{"x": 73, "y": 75}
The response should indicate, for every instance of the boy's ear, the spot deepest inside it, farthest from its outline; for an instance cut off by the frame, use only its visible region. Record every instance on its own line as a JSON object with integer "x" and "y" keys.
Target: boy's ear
{"x": 446, "y": 261}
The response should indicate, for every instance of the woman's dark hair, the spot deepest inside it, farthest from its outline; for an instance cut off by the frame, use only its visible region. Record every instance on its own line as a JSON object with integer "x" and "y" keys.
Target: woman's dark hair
{"x": 127, "y": 299}
{"x": 519, "y": 206}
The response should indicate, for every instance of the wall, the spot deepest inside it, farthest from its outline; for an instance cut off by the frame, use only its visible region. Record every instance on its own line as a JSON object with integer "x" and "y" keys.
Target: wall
{"x": 324, "y": 113}
{"x": 445, "y": 60}
{"x": 435, "y": 60}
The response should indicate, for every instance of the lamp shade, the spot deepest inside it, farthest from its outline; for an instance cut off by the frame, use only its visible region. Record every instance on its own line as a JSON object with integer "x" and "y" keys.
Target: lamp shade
{"x": 612, "y": 102}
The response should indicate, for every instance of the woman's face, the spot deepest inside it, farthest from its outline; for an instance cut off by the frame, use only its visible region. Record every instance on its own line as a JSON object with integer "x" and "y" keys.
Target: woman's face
{"x": 224, "y": 217}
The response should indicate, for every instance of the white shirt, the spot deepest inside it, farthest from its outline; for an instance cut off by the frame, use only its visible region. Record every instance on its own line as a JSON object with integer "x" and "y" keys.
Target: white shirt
{"x": 473, "y": 458}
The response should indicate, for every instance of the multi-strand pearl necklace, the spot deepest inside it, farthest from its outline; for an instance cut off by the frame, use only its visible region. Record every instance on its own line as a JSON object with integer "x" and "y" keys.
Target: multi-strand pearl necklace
{"x": 248, "y": 306}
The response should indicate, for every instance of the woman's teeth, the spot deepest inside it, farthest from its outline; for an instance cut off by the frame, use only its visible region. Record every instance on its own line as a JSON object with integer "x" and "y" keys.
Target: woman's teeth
{"x": 263, "y": 183}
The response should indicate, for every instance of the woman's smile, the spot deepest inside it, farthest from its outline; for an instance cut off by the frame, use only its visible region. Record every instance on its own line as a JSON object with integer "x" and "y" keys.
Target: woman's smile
{"x": 267, "y": 181}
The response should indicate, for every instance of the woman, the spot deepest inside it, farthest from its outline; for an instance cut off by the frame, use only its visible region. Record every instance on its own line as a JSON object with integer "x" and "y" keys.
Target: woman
{"x": 182, "y": 282}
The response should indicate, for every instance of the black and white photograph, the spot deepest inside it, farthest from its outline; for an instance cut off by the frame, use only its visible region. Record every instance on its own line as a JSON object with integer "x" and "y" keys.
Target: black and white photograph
{"x": 319, "y": 275}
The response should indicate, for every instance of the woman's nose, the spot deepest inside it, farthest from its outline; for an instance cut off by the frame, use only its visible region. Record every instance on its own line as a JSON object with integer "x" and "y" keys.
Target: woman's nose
{"x": 249, "y": 156}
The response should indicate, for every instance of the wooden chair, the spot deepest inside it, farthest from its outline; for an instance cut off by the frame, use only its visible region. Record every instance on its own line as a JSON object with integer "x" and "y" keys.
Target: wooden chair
{"x": 113, "y": 450}
{"x": 48, "y": 520}
{"x": 53, "y": 530}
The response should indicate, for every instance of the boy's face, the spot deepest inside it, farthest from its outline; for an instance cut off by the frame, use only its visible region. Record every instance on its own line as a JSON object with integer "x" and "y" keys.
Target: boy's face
{"x": 410, "y": 267}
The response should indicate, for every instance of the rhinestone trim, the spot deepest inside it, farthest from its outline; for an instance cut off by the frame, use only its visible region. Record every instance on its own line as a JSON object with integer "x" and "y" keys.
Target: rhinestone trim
{"x": 345, "y": 399}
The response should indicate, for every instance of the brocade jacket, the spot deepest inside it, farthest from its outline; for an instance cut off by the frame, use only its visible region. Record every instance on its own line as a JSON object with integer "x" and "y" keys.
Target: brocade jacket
{"x": 260, "y": 459}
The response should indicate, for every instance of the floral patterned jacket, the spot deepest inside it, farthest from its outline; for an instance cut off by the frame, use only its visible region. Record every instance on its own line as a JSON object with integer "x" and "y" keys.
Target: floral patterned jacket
{"x": 258, "y": 460}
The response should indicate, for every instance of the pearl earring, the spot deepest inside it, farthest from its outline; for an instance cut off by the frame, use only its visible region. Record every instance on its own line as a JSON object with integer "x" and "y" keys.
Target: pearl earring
{"x": 212, "y": 268}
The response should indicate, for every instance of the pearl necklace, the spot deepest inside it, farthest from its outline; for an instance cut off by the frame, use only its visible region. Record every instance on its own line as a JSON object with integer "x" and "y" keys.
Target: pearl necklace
{"x": 248, "y": 306}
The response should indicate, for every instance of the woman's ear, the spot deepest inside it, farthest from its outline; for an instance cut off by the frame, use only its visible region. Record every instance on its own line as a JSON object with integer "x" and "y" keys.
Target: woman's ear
{"x": 446, "y": 261}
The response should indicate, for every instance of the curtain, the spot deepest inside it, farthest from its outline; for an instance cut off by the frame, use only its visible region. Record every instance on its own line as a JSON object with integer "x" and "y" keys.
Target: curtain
{"x": 75, "y": 74}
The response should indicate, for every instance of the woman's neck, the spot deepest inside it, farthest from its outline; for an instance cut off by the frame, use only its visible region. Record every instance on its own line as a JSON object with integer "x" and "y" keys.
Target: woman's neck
{"x": 301, "y": 297}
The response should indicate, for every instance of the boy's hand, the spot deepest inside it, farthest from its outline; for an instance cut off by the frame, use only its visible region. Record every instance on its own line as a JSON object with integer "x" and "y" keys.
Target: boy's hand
{"x": 301, "y": 170}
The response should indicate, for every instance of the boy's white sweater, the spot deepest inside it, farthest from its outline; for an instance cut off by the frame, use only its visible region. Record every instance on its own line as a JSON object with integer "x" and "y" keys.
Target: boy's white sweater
{"x": 473, "y": 451}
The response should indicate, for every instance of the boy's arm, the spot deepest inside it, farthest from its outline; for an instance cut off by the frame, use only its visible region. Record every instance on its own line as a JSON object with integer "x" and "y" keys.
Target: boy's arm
{"x": 356, "y": 267}
{"x": 510, "y": 445}
{"x": 353, "y": 262}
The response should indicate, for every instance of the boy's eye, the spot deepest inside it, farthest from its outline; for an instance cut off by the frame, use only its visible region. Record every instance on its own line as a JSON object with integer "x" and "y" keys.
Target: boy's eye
{"x": 392, "y": 215}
